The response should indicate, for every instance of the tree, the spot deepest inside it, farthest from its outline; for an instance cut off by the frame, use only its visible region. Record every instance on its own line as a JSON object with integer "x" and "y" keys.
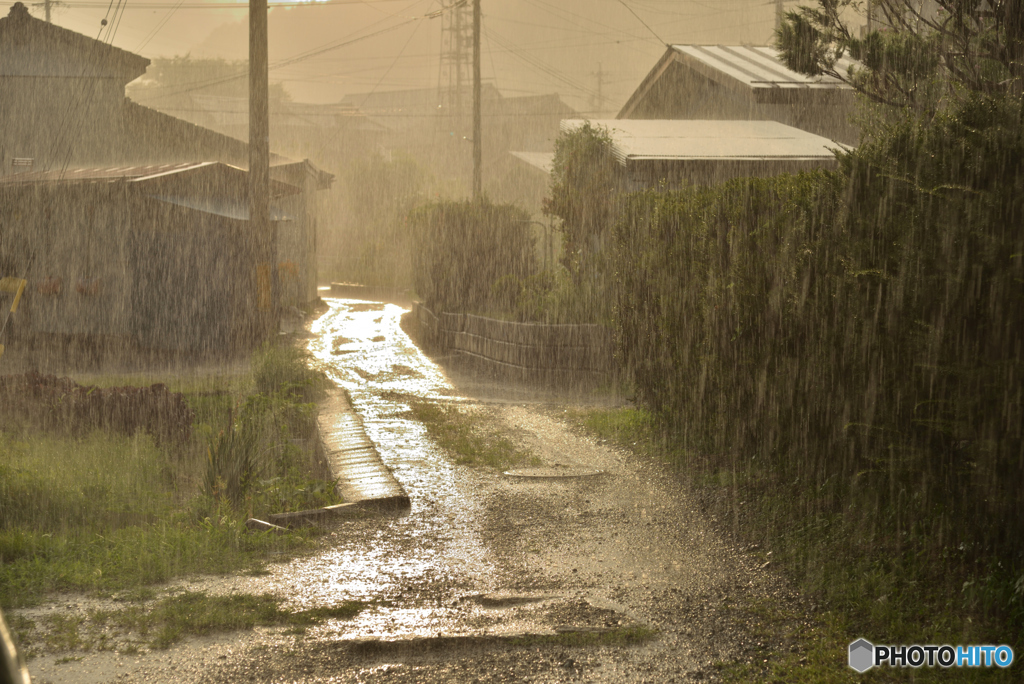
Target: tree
{"x": 169, "y": 82}
{"x": 583, "y": 190}
{"x": 922, "y": 52}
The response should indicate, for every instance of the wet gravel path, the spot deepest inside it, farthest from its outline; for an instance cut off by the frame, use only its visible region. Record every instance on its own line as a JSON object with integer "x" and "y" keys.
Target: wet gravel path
{"x": 477, "y": 579}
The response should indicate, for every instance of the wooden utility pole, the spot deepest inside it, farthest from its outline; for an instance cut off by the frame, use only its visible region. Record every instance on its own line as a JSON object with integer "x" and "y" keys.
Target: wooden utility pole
{"x": 261, "y": 231}
{"x": 478, "y": 150}
{"x": 46, "y": 6}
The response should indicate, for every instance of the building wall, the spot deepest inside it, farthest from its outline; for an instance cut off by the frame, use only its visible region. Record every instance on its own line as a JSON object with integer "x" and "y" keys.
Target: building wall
{"x": 60, "y": 121}
{"x": 73, "y": 241}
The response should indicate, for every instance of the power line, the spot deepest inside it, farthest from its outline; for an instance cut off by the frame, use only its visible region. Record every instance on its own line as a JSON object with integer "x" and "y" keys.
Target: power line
{"x": 622, "y": 2}
{"x": 199, "y": 85}
{"x": 159, "y": 26}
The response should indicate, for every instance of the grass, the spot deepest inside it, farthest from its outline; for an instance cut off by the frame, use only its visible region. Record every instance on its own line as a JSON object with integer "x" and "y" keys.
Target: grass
{"x": 171, "y": 619}
{"x": 468, "y": 437}
{"x": 622, "y": 636}
{"x": 110, "y": 513}
{"x": 868, "y": 580}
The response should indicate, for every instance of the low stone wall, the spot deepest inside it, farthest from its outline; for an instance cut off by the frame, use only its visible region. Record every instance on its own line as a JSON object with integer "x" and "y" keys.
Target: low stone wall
{"x": 560, "y": 353}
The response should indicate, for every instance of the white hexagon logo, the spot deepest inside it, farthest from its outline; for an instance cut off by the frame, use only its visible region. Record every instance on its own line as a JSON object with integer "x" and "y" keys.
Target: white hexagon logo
{"x": 862, "y": 655}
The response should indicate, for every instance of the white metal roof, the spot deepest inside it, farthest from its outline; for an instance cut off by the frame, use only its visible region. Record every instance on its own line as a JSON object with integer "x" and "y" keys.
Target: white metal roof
{"x": 683, "y": 139}
{"x": 758, "y": 67}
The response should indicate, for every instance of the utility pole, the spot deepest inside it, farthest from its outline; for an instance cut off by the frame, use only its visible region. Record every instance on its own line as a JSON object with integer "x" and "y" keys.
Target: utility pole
{"x": 262, "y": 235}
{"x": 46, "y": 6}
{"x": 477, "y": 123}
{"x": 778, "y": 14}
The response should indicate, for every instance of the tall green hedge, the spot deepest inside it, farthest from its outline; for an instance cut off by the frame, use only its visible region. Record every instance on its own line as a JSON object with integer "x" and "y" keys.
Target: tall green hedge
{"x": 471, "y": 256}
{"x": 862, "y": 327}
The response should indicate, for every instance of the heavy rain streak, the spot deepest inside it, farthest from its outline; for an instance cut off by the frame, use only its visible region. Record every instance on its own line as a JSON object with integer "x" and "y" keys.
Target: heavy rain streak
{"x": 511, "y": 340}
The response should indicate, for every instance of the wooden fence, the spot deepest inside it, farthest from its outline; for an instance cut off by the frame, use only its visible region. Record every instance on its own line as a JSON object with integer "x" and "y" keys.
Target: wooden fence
{"x": 563, "y": 354}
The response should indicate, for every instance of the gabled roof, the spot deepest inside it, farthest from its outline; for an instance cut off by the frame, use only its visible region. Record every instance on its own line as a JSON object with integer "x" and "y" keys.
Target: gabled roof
{"x": 756, "y": 71}
{"x": 636, "y": 140}
{"x": 32, "y": 47}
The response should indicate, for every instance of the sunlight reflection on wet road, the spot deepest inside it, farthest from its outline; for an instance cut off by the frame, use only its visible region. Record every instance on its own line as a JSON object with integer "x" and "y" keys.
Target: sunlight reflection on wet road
{"x": 364, "y": 350}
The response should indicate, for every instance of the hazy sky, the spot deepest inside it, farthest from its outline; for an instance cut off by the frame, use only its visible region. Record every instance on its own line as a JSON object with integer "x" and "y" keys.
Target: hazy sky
{"x": 528, "y": 46}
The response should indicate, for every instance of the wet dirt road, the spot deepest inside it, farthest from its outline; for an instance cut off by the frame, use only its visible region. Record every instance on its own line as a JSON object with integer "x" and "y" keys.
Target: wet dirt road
{"x": 486, "y": 577}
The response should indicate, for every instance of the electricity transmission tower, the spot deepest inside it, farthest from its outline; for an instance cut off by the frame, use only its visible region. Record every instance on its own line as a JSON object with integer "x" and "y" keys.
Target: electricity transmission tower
{"x": 456, "y": 76}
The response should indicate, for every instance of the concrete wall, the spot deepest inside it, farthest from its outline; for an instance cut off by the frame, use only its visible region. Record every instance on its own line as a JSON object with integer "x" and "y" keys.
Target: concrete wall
{"x": 563, "y": 354}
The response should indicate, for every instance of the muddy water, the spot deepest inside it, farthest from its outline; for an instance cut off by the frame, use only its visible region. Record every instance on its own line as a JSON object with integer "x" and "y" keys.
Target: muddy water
{"x": 479, "y": 556}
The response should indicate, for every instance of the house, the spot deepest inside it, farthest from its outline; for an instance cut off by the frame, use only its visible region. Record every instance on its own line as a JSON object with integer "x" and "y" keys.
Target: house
{"x": 67, "y": 130}
{"x": 743, "y": 83}
{"x": 682, "y": 152}
{"x": 419, "y": 123}
{"x": 156, "y": 257}
{"x": 62, "y": 95}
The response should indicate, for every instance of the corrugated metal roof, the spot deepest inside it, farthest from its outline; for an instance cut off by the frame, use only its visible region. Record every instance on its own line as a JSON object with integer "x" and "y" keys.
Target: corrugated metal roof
{"x": 545, "y": 161}
{"x": 225, "y": 177}
{"x": 758, "y": 67}
{"x": 110, "y": 174}
{"x": 681, "y": 139}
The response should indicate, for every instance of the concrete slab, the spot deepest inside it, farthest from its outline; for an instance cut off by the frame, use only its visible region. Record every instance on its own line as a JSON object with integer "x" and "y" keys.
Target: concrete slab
{"x": 355, "y": 464}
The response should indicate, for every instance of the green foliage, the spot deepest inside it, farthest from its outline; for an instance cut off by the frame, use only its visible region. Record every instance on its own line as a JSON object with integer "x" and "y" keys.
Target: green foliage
{"x": 255, "y": 459}
{"x": 468, "y": 438}
{"x": 584, "y": 187}
{"x": 470, "y": 256}
{"x": 924, "y": 52}
{"x": 231, "y": 462}
{"x": 288, "y": 369}
{"x": 555, "y": 297}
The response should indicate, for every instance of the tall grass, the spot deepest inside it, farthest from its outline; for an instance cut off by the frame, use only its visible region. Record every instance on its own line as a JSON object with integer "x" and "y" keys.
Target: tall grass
{"x": 107, "y": 512}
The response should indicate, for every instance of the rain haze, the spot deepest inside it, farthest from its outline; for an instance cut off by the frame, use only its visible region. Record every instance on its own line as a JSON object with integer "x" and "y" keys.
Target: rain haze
{"x": 518, "y": 340}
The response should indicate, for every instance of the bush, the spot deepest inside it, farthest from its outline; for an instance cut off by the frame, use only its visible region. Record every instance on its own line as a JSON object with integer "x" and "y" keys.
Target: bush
{"x": 470, "y": 256}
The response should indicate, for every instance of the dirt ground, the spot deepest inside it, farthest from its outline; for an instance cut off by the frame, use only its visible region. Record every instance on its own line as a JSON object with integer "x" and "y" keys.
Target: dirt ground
{"x": 616, "y": 576}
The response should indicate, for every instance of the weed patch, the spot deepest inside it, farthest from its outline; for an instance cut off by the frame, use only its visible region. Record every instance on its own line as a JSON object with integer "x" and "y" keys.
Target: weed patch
{"x": 173, "y": 618}
{"x": 468, "y": 438}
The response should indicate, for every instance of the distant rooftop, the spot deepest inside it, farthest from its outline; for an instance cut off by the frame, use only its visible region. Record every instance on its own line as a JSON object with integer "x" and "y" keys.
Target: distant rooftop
{"x": 682, "y": 139}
